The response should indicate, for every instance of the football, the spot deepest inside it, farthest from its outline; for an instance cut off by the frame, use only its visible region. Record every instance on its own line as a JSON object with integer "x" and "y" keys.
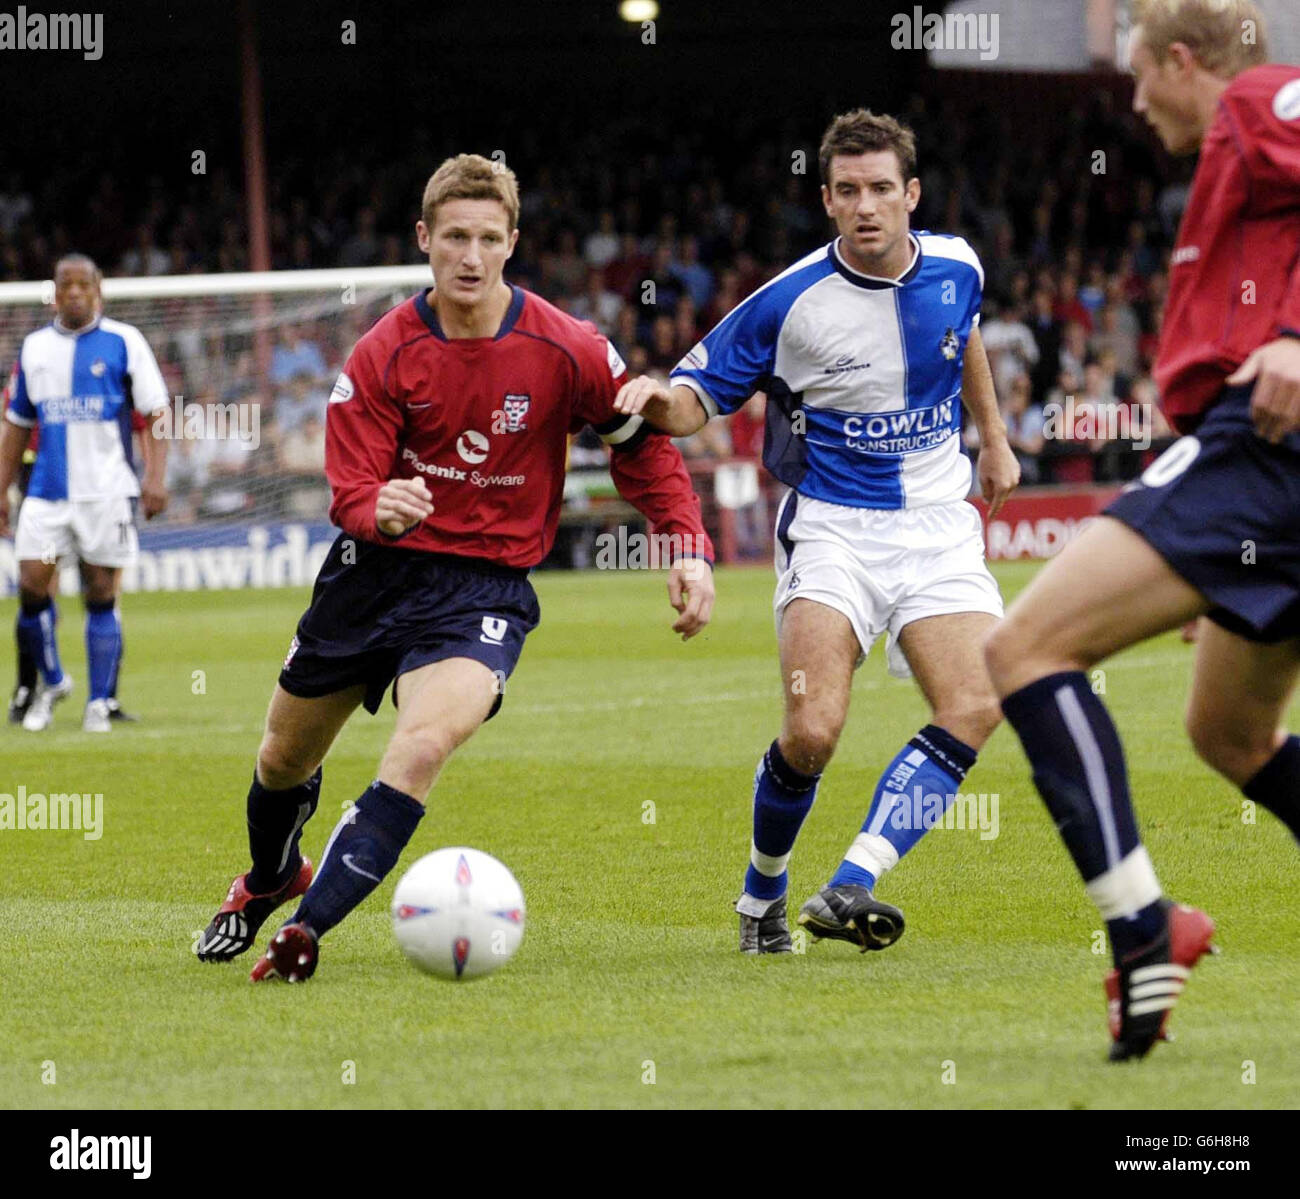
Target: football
{"x": 458, "y": 913}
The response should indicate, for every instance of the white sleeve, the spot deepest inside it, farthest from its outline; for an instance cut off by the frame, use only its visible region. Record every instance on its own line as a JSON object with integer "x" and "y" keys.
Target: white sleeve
{"x": 148, "y": 391}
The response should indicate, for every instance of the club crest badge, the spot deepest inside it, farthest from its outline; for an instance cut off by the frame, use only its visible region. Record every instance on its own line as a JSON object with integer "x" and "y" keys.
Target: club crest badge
{"x": 949, "y": 345}
{"x": 516, "y": 410}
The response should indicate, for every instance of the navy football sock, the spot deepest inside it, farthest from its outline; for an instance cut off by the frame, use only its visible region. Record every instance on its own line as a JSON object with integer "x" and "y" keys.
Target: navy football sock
{"x": 36, "y": 632}
{"x": 782, "y": 798}
{"x": 1078, "y": 766}
{"x": 275, "y": 820}
{"x": 1277, "y": 785}
{"x": 364, "y": 847}
{"x": 915, "y": 790}
{"x": 103, "y": 642}
{"x": 27, "y": 672}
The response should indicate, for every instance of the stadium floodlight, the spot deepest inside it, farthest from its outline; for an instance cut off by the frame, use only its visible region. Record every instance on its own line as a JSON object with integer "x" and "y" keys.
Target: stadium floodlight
{"x": 634, "y": 11}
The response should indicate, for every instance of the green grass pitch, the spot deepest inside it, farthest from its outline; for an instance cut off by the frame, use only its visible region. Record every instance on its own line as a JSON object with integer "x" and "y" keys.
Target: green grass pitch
{"x": 628, "y": 990}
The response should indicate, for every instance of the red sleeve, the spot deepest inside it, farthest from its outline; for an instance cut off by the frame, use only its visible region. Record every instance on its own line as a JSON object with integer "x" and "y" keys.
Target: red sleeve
{"x": 652, "y": 477}
{"x": 362, "y": 425}
{"x": 1266, "y": 126}
{"x": 646, "y": 467}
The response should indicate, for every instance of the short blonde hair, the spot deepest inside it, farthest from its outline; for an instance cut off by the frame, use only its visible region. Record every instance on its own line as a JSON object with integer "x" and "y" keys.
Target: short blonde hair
{"x": 471, "y": 177}
{"x": 1215, "y": 31}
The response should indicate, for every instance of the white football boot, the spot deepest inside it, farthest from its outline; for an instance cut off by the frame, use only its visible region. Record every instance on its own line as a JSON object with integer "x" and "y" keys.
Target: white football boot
{"x": 97, "y": 719}
{"x": 41, "y": 712}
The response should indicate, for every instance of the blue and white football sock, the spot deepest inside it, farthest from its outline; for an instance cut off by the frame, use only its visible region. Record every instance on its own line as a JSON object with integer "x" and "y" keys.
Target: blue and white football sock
{"x": 782, "y": 798}
{"x": 363, "y": 848}
{"x": 1078, "y": 764}
{"x": 37, "y": 625}
{"x": 103, "y": 644}
{"x": 917, "y": 787}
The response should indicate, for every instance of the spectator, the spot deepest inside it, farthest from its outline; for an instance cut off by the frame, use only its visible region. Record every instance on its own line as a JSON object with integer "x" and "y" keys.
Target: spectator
{"x": 296, "y": 355}
{"x": 602, "y": 245}
{"x": 1024, "y": 421}
{"x": 602, "y": 308}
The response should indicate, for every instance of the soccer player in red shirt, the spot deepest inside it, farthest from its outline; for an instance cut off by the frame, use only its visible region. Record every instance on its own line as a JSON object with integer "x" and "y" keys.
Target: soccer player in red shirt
{"x": 445, "y": 449}
{"x": 1213, "y": 527}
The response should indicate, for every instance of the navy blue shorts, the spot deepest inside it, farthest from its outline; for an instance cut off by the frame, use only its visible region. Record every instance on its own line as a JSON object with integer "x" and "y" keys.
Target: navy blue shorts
{"x": 1222, "y": 507}
{"x": 393, "y": 610}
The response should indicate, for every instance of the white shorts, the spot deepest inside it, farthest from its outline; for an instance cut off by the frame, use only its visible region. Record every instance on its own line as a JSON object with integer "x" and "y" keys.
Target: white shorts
{"x": 882, "y": 568}
{"x": 101, "y": 532}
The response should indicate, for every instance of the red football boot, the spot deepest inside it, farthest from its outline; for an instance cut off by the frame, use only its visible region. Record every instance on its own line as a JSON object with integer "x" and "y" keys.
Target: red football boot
{"x": 1147, "y": 984}
{"x": 235, "y": 925}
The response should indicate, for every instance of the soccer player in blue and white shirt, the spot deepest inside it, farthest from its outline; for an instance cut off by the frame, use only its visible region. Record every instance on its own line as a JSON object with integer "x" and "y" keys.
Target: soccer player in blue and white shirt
{"x": 76, "y": 381}
{"x": 866, "y": 350}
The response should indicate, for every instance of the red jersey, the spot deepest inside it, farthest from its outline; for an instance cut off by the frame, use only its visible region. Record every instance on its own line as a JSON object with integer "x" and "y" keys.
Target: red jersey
{"x": 485, "y": 421}
{"x": 1234, "y": 279}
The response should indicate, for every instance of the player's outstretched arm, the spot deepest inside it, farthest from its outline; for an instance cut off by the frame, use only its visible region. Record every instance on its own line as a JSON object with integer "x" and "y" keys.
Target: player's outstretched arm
{"x": 998, "y": 468}
{"x": 676, "y": 411}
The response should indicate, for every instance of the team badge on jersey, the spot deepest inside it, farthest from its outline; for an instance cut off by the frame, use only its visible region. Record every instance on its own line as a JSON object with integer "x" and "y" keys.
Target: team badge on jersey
{"x": 343, "y": 390}
{"x": 98, "y": 367}
{"x": 949, "y": 345}
{"x": 516, "y": 409}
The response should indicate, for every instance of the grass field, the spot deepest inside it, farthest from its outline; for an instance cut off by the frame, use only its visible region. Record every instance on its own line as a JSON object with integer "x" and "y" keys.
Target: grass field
{"x": 630, "y": 952}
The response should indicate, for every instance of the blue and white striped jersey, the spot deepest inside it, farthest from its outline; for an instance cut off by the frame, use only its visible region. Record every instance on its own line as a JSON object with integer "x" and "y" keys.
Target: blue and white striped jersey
{"x": 79, "y": 388}
{"x": 862, "y": 375}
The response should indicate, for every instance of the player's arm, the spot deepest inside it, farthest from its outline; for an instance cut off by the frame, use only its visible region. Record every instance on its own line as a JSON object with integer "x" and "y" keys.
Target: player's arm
{"x": 997, "y": 469}
{"x": 362, "y": 425}
{"x": 150, "y": 401}
{"x": 1270, "y": 152}
{"x": 19, "y": 419}
{"x": 650, "y": 474}
{"x": 674, "y": 410}
{"x": 13, "y": 440}
{"x": 731, "y": 362}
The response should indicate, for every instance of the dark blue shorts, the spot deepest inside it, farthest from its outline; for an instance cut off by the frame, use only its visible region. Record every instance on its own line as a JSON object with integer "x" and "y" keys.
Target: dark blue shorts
{"x": 1222, "y": 507}
{"x": 394, "y": 610}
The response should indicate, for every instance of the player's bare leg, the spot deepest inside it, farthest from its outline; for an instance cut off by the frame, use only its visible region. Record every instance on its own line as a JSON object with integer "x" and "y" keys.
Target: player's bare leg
{"x": 1107, "y": 590}
{"x": 282, "y": 798}
{"x": 100, "y": 586}
{"x": 37, "y": 628}
{"x": 1240, "y": 693}
{"x": 945, "y": 654}
{"x": 439, "y": 707}
{"x": 818, "y": 651}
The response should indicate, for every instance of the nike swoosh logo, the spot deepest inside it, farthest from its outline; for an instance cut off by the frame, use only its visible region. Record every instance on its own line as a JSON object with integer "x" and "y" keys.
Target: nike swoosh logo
{"x": 348, "y": 862}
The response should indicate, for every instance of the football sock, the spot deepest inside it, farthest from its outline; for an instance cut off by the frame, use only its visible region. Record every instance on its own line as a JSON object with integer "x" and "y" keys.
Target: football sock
{"x": 275, "y": 822}
{"x": 36, "y": 632}
{"x": 1277, "y": 785}
{"x": 117, "y": 666}
{"x": 362, "y": 849}
{"x": 782, "y": 798}
{"x": 26, "y": 660}
{"x": 1078, "y": 767}
{"x": 103, "y": 641}
{"x": 912, "y": 795}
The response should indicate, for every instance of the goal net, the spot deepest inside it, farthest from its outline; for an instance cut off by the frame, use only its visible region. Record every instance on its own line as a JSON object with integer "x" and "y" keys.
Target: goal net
{"x": 249, "y": 361}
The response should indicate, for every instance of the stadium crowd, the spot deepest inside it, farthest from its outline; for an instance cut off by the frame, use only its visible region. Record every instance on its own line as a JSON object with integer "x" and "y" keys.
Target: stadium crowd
{"x": 656, "y": 243}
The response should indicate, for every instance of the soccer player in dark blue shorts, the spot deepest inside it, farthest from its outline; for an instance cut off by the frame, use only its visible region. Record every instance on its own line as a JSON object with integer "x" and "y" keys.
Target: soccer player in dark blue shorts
{"x": 446, "y": 443}
{"x": 1213, "y": 526}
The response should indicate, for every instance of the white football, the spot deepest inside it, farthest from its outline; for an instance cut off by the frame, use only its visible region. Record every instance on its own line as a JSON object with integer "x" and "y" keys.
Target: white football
{"x": 458, "y": 913}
